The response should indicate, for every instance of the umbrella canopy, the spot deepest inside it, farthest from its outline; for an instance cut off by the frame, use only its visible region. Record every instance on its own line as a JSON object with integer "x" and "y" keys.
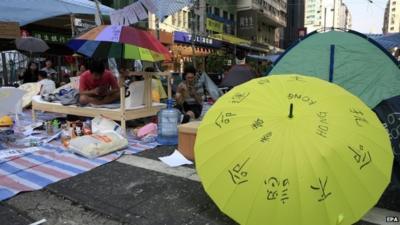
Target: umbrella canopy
{"x": 238, "y": 74}
{"x": 113, "y": 41}
{"x": 388, "y": 112}
{"x": 9, "y": 96}
{"x": 31, "y": 44}
{"x": 292, "y": 150}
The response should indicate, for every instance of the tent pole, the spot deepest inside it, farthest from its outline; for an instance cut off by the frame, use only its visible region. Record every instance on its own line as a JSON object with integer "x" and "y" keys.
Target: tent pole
{"x": 72, "y": 20}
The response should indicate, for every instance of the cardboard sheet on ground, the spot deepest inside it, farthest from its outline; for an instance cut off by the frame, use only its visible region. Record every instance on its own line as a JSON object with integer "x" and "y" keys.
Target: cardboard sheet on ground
{"x": 175, "y": 159}
{"x": 9, "y": 96}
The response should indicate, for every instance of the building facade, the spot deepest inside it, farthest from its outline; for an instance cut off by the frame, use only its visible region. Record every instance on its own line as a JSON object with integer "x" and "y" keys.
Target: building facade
{"x": 391, "y": 21}
{"x": 326, "y": 13}
{"x": 261, "y": 21}
{"x": 223, "y": 12}
{"x": 314, "y": 15}
{"x": 344, "y": 19}
{"x": 295, "y": 22}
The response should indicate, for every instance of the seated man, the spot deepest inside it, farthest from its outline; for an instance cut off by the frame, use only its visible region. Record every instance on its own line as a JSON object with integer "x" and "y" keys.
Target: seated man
{"x": 98, "y": 86}
{"x": 47, "y": 86}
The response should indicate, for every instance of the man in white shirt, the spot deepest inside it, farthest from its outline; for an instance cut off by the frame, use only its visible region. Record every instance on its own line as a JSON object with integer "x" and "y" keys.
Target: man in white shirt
{"x": 51, "y": 73}
{"x": 47, "y": 86}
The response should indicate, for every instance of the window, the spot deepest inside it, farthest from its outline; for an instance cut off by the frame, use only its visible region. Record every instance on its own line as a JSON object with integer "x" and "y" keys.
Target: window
{"x": 225, "y": 14}
{"x": 208, "y": 9}
{"x": 216, "y": 11}
{"x": 392, "y": 28}
{"x": 185, "y": 19}
{"x": 174, "y": 19}
{"x": 393, "y": 9}
{"x": 190, "y": 20}
{"x": 180, "y": 19}
{"x": 231, "y": 17}
{"x": 198, "y": 22}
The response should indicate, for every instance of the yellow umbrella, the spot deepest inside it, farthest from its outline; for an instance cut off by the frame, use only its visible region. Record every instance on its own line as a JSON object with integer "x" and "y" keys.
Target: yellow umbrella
{"x": 292, "y": 150}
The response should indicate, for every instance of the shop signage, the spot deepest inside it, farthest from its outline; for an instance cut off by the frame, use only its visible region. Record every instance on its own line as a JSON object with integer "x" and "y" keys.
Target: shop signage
{"x": 9, "y": 30}
{"x": 214, "y": 25}
{"x": 51, "y": 37}
{"x": 184, "y": 37}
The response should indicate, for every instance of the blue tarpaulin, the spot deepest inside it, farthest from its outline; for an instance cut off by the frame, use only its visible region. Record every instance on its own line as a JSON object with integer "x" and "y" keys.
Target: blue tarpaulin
{"x": 271, "y": 58}
{"x": 388, "y": 41}
{"x": 29, "y": 11}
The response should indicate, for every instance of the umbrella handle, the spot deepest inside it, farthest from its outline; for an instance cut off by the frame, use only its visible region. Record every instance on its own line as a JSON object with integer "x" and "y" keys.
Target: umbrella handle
{"x": 291, "y": 110}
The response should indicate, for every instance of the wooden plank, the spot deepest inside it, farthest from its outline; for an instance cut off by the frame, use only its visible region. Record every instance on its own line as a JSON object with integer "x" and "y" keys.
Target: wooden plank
{"x": 169, "y": 87}
{"x": 122, "y": 100}
{"x": 74, "y": 110}
{"x": 93, "y": 112}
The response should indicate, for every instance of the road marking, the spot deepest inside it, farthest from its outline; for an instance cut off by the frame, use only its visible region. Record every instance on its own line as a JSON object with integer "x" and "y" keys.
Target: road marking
{"x": 375, "y": 215}
{"x": 159, "y": 166}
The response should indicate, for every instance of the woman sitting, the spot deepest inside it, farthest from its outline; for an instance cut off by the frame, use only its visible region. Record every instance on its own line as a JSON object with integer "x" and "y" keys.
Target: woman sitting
{"x": 188, "y": 96}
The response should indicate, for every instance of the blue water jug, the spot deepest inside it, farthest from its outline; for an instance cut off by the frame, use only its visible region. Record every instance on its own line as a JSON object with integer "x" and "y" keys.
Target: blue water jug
{"x": 168, "y": 121}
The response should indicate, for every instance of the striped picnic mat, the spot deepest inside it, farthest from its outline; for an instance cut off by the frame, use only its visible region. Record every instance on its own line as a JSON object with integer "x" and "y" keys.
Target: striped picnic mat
{"x": 51, "y": 164}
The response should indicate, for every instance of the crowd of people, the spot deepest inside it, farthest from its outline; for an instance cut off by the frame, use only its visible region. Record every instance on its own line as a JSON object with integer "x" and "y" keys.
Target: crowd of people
{"x": 98, "y": 85}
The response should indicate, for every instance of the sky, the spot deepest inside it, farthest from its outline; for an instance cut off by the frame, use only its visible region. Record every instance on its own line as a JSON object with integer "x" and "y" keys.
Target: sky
{"x": 367, "y": 17}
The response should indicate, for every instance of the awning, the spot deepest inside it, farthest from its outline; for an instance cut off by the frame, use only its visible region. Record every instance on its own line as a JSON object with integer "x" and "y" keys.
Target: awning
{"x": 186, "y": 50}
{"x": 388, "y": 41}
{"x": 271, "y": 58}
{"x": 230, "y": 39}
{"x": 29, "y": 11}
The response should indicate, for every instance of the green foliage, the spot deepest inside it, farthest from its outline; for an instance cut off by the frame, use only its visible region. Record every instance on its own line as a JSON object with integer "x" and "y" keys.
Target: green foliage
{"x": 216, "y": 62}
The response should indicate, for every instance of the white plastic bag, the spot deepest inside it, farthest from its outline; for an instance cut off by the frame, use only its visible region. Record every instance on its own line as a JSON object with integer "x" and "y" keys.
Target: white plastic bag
{"x": 95, "y": 145}
{"x": 100, "y": 124}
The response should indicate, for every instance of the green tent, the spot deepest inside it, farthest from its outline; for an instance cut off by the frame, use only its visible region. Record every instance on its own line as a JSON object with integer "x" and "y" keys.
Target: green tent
{"x": 348, "y": 59}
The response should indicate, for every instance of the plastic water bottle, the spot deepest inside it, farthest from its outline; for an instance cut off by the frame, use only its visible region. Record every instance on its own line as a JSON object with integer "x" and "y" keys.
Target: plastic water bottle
{"x": 168, "y": 121}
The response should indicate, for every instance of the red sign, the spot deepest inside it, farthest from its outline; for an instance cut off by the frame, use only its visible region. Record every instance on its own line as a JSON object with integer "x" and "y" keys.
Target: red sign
{"x": 24, "y": 33}
{"x": 302, "y": 31}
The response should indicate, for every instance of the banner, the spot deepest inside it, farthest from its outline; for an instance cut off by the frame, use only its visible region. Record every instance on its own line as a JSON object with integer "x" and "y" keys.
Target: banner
{"x": 214, "y": 25}
{"x": 117, "y": 17}
{"x": 51, "y": 37}
{"x": 9, "y": 30}
{"x": 130, "y": 14}
{"x": 139, "y": 10}
{"x": 150, "y": 6}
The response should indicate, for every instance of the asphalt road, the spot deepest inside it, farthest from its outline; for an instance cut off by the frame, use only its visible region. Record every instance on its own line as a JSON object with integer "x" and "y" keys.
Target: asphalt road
{"x": 138, "y": 190}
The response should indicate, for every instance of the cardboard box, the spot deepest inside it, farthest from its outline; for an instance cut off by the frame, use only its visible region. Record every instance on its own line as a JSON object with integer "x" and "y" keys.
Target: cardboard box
{"x": 186, "y": 138}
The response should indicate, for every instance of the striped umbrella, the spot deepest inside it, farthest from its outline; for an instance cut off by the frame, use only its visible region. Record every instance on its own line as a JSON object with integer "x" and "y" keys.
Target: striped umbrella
{"x": 114, "y": 41}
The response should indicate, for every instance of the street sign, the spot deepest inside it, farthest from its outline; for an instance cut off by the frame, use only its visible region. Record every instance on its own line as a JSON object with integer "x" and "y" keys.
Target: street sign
{"x": 9, "y": 30}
